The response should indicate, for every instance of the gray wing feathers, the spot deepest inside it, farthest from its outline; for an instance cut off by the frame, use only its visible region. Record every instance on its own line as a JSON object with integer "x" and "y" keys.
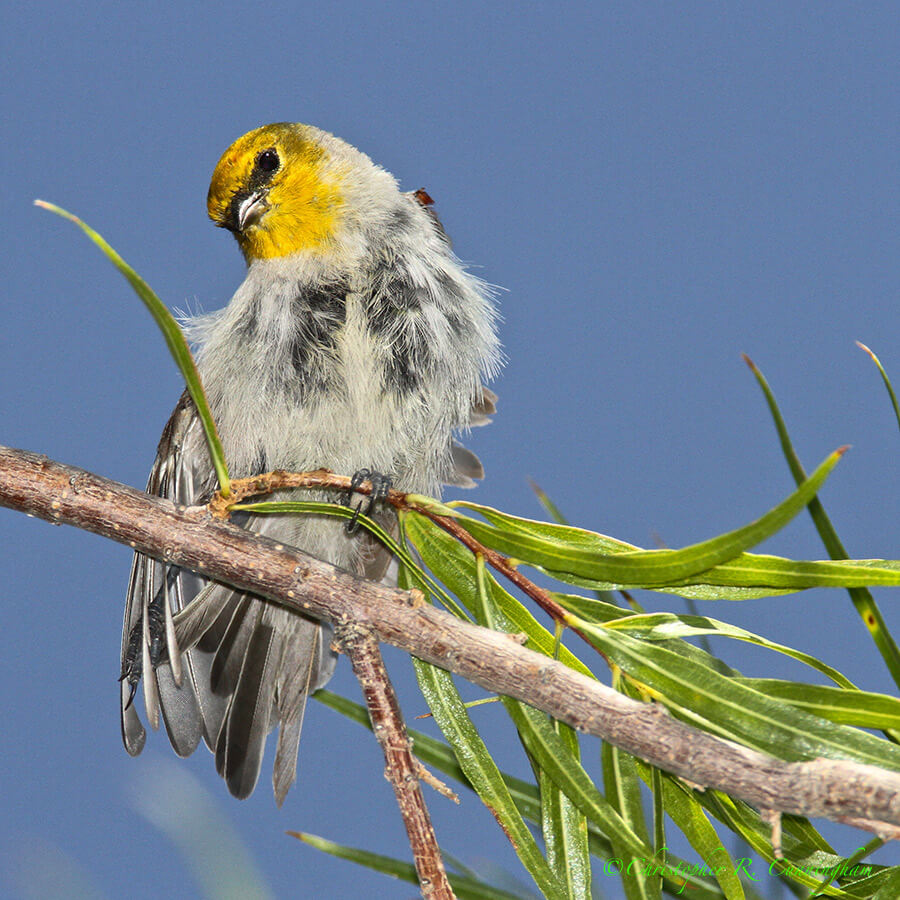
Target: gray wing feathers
{"x": 485, "y": 408}
{"x": 243, "y": 665}
{"x": 180, "y": 712}
{"x": 239, "y": 749}
{"x": 306, "y": 664}
{"x": 466, "y": 467}
{"x": 133, "y": 734}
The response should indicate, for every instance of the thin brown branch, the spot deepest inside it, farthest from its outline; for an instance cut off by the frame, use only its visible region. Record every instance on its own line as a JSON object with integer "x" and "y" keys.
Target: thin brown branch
{"x": 499, "y": 562}
{"x": 833, "y": 789}
{"x": 401, "y": 767}
{"x": 279, "y": 480}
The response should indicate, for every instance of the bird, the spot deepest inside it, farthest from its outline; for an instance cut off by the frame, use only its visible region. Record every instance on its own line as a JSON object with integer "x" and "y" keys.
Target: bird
{"x": 357, "y": 342}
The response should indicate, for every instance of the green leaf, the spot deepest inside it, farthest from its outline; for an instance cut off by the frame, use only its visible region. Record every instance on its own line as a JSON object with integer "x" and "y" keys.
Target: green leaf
{"x": 545, "y": 746}
{"x": 454, "y": 565}
{"x": 623, "y": 792}
{"x": 743, "y": 821}
{"x": 890, "y": 888}
{"x": 598, "y": 612}
{"x": 438, "y": 755}
{"x": 733, "y": 710}
{"x": 665, "y": 626}
{"x": 688, "y": 815}
{"x": 887, "y": 384}
{"x": 556, "y": 547}
{"x": 548, "y": 751}
{"x": 565, "y": 827}
{"x": 481, "y": 770}
{"x": 659, "y": 812}
{"x": 174, "y": 338}
{"x": 863, "y": 601}
{"x": 465, "y": 888}
{"x": 751, "y": 576}
{"x": 847, "y": 707}
{"x": 745, "y": 577}
{"x": 801, "y": 864}
{"x": 699, "y": 591}
{"x": 452, "y": 717}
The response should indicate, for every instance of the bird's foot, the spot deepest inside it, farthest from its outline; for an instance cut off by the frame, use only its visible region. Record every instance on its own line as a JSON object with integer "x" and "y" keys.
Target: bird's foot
{"x": 133, "y": 658}
{"x": 381, "y": 486}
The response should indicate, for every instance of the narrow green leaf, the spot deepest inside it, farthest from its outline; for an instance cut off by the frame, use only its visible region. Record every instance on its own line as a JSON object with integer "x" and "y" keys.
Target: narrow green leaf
{"x": 642, "y": 567}
{"x": 799, "y": 839}
{"x": 690, "y": 591}
{"x": 438, "y": 755}
{"x": 746, "y": 577}
{"x": 750, "y": 576}
{"x": 453, "y": 719}
{"x": 549, "y": 752}
{"x": 774, "y": 571}
{"x": 547, "y": 748}
{"x": 454, "y": 565}
{"x": 733, "y": 710}
{"x": 480, "y": 770}
{"x": 847, "y": 707}
{"x": 547, "y": 503}
{"x": 794, "y": 867}
{"x": 887, "y": 384}
{"x": 862, "y": 599}
{"x": 803, "y": 846}
{"x": 890, "y": 888}
{"x": 565, "y": 829}
{"x": 600, "y": 613}
{"x": 623, "y": 792}
{"x": 665, "y": 626}
{"x": 847, "y": 870}
{"x": 174, "y": 338}
{"x": 464, "y": 887}
{"x": 659, "y": 812}
{"x": 563, "y": 826}
{"x": 688, "y": 815}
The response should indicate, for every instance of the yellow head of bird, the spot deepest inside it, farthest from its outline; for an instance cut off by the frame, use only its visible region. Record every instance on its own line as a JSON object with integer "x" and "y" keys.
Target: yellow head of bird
{"x": 273, "y": 190}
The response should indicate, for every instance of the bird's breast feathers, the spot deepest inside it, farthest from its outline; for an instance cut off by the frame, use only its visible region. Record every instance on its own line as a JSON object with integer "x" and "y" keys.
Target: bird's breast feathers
{"x": 372, "y": 371}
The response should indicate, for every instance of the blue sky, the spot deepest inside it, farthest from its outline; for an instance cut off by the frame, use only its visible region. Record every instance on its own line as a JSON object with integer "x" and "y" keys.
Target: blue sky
{"x": 656, "y": 189}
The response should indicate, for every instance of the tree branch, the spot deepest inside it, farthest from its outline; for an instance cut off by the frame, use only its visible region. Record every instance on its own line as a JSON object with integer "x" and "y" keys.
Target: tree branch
{"x": 835, "y": 789}
{"x": 401, "y": 766}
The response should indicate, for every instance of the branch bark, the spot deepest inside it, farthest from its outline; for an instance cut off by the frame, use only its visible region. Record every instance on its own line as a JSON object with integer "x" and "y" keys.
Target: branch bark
{"x": 835, "y": 789}
{"x": 401, "y": 766}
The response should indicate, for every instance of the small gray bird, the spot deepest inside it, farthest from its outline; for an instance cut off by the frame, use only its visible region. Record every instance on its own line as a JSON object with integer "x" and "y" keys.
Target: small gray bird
{"x": 357, "y": 340}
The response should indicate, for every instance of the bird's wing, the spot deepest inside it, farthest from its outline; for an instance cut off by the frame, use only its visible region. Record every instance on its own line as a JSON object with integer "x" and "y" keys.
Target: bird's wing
{"x": 155, "y": 592}
{"x": 231, "y": 666}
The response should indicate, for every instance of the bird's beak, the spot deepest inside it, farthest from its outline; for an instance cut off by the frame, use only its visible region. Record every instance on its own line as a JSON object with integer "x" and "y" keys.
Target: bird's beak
{"x": 249, "y": 210}
{"x": 246, "y": 208}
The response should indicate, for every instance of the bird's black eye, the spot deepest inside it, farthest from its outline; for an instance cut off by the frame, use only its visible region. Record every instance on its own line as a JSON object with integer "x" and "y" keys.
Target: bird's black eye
{"x": 268, "y": 161}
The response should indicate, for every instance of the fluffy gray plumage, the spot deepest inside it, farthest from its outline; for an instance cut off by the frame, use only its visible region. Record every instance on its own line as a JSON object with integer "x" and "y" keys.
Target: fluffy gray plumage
{"x": 370, "y": 355}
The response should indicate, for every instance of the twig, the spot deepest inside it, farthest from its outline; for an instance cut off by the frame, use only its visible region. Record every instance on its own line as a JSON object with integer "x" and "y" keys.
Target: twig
{"x": 840, "y": 790}
{"x": 401, "y": 767}
{"x": 280, "y": 480}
